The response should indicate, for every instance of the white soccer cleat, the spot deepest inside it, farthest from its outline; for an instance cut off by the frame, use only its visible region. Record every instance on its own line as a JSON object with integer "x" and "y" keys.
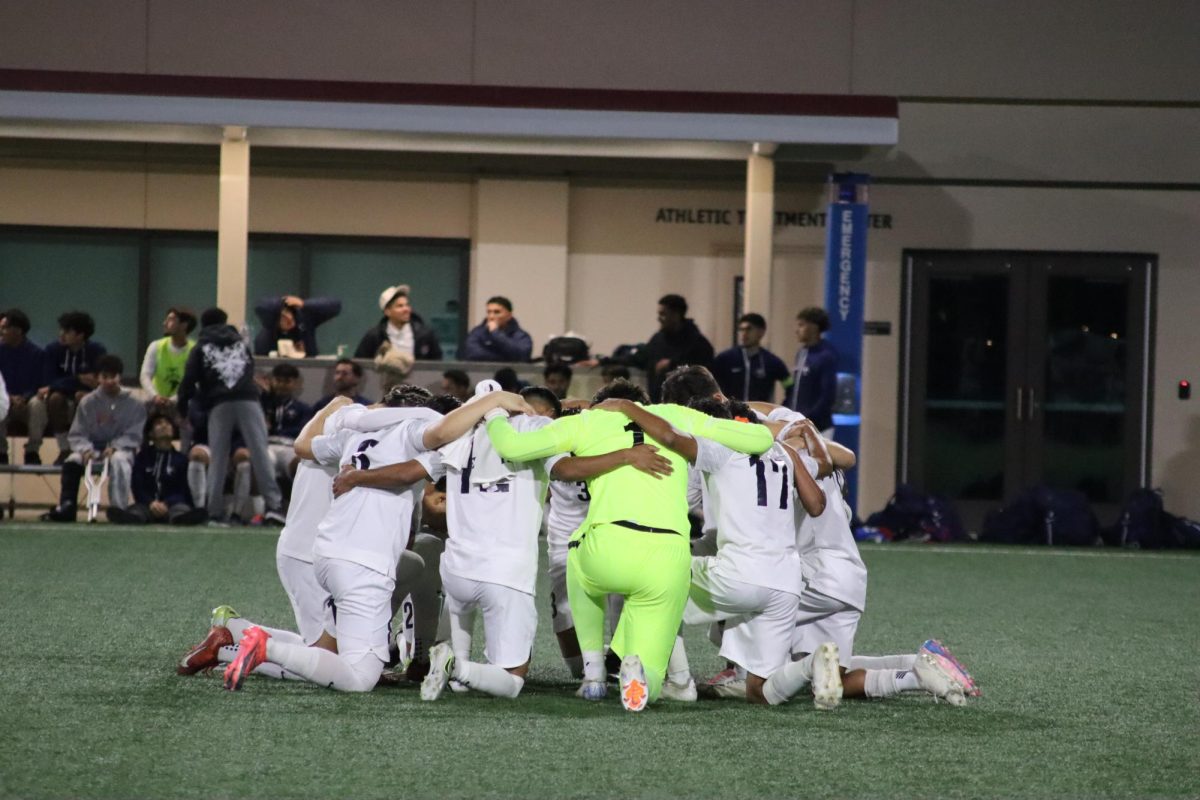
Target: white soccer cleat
{"x": 457, "y": 687}
{"x": 826, "y": 677}
{"x": 592, "y": 690}
{"x": 681, "y": 692}
{"x": 939, "y": 681}
{"x": 441, "y": 667}
{"x": 635, "y": 692}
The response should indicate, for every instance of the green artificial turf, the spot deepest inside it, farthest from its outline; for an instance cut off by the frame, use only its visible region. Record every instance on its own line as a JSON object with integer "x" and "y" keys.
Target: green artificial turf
{"x": 1088, "y": 662}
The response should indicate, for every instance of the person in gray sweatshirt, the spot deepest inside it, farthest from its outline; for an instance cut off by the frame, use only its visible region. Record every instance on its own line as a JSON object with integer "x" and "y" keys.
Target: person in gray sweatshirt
{"x": 108, "y": 424}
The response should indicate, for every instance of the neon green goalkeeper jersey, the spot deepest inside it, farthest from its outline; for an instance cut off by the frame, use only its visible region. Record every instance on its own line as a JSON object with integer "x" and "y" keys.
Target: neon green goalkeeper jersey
{"x": 627, "y": 494}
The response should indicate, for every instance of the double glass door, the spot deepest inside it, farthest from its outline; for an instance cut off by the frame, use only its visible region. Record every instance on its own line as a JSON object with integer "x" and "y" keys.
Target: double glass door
{"x": 1025, "y": 368}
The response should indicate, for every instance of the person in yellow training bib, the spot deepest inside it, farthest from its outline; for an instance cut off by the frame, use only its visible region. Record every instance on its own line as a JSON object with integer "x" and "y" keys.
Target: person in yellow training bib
{"x": 634, "y": 541}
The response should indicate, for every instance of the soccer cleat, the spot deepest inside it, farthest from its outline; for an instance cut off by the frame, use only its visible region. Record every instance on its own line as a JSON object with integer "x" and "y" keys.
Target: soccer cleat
{"x": 592, "y": 690}
{"x": 274, "y": 518}
{"x": 827, "y": 677}
{"x": 252, "y": 651}
{"x": 441, "y": 667}
{"x": 725, "y": 684}
{"x": 680, "y": 692}
{"x": 939, "y": 680}
{"x": 222, "y": 614}
{"x": 635, "y": 692}
{"x": 953, "y": 665}
{"x": 457, "y": 687}
{"x": 203, "y": 657}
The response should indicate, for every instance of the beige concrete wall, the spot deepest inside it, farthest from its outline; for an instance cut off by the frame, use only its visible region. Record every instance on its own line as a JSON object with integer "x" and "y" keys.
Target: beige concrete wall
{"x": 519, "y": 251}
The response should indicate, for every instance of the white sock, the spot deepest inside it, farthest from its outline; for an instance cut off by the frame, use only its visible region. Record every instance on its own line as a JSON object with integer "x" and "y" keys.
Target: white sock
{"x": 679, "y": 671}
{"x": 882, "y": 662}
{"x": 325, "y": 668}
{"x": 461, "y": 626}
{"x": 488, "y": 678}
{"x": 890, "y": 682}
{"x": 268, "y": 670}
{"x": 788, "y": 680}
{"x": 197, "y": 480}
{"x": 593, "y": 666}
{"x": 238, "y": 625}
{"x": 575, "y": 665}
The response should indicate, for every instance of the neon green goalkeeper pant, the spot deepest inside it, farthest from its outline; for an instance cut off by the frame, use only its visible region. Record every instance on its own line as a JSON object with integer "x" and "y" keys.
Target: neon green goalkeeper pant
{"x": 652, "y": 571}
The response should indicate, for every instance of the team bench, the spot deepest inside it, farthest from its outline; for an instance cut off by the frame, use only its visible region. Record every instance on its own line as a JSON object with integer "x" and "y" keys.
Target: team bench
{"x": 13, "y": 470}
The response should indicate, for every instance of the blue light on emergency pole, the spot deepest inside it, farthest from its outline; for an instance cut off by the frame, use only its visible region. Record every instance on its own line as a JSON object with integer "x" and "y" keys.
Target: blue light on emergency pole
{"x": 845, "y": 285}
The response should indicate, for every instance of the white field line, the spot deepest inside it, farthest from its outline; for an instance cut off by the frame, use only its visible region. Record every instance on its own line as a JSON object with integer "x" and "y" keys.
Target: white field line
{"x": 1024, "y": 551}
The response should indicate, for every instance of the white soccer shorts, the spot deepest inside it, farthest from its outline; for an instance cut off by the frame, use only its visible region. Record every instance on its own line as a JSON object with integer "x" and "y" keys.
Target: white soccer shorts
{"x": 823, "y": 619}
{"x": 362, "y": 607}
{"x": 759, "y": 621}
{"x": 310, "y": 601}
{"x": 509, "y": 617}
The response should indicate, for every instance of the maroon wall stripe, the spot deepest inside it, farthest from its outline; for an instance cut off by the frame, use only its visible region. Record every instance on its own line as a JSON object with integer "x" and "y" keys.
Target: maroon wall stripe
{"x": 448, "y": 94}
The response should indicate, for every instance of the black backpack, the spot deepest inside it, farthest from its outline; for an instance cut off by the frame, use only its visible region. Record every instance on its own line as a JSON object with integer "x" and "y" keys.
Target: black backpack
{"x": 1041, "y": 515}
{"x": 565, "y": 350}
{"x": 911, "y": 514}
{"x": 1145, "y": 524}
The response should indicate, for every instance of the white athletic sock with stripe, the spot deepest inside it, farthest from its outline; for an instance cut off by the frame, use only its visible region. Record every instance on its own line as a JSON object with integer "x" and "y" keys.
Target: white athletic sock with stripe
{"x": 889, "y": 682}
{"x": 488, "y": 678}
{"x": 593, "y": 666}
{"x": 679, "y": 672}
{"x": 883, "y": 662}
{"x": 238, "y": 625}
{"x": 787, "y": 680}
{"x": 325, "y": 668}
{"x": 266, "y": 669}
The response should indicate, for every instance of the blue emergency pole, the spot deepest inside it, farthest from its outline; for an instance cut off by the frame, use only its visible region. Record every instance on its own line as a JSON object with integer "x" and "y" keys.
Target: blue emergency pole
{"x": 845, "y": 287}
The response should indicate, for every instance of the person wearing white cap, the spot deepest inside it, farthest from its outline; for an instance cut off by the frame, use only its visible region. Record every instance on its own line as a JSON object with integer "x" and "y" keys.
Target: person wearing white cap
{"x": 401, "y": 328}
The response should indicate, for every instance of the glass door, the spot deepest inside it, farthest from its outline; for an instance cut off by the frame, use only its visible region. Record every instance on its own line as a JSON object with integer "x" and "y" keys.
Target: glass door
{"x": 1024, "y": 369}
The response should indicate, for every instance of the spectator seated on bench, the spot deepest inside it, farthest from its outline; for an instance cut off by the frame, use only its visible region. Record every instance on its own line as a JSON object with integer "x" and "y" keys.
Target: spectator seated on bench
{"x": 160, "y": 485}
{"x": 108, "y": 424}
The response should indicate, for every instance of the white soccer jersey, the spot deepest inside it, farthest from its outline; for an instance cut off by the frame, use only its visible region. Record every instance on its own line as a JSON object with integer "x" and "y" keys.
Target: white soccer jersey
{"x": 569, "y": 501}
{"x": 832, "y": 565}
{"x": 371, "y": 526}
{"x": 312, "y": 492}
{"x": 752, "y": 500}
{"x": 493, "y": 529}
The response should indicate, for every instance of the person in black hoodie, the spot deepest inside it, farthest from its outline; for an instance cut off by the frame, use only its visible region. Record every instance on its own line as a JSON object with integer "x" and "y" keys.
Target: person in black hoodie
{"x": 402, "y": 327}
{"x": 220, "y": 375}
{"x": 295, "y": 319}
{"x": 678, "y": 342}
{"x": 160, "y": 489}
{"x": 70, "y": 373}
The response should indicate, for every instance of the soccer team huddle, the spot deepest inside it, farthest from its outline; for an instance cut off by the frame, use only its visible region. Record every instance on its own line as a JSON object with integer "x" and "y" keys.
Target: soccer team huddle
{"x": 776, "y": 575}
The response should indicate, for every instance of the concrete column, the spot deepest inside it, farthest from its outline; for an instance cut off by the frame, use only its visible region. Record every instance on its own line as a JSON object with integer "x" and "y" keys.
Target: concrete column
{"x": 520, "y": 252}
{"x": 760, "y": 230}
{"x": 233, "y": 224}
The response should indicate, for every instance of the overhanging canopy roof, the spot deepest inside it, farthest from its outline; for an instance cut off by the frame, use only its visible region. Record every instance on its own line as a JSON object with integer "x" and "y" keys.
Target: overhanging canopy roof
{"x": 434, "y": 117}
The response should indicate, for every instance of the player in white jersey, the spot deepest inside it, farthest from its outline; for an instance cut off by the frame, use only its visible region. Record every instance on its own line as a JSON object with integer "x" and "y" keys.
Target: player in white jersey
{"x": 358, "y": 545}
{"x": 754, "y": 582}
{"x": 835, "y": 597}
{"x": 311, "y": 499}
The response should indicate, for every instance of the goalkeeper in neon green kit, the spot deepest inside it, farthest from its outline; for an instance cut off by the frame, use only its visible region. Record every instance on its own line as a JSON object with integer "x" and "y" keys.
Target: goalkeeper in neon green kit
{"x": 634, "y": 541}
